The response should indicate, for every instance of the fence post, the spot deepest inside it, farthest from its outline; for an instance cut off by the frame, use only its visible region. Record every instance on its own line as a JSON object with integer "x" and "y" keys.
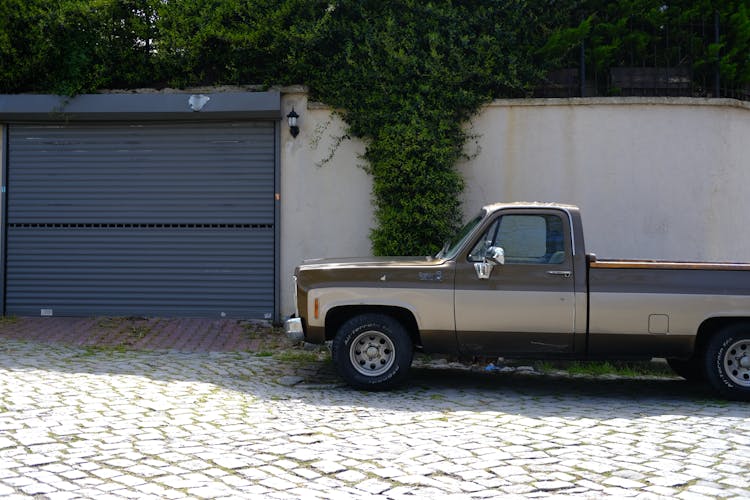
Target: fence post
{"x": 582, "y": 75}
{"x": 717, "y": 72}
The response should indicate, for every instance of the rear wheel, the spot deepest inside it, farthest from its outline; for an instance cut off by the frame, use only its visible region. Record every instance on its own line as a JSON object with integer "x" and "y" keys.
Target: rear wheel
{"x": 372, "y": 352}
{"x": 727, "y": 362}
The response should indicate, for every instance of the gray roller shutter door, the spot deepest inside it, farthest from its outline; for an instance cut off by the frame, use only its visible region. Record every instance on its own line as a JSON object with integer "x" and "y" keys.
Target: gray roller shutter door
{"x": 141, "y": 219}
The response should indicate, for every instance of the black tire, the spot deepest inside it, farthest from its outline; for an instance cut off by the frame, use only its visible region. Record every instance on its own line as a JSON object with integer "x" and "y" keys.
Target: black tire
{"x": 727, "y": 362}
{"x": 689, "y": 369}
{"x": 372, "y": 352}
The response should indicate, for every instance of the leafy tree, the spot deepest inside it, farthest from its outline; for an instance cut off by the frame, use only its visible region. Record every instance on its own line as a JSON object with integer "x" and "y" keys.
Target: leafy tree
{"x": 73, "y": 46}
{"x": 22, "y": 49}
{"x": 733, "y": 49}
{"x": 205, "y": 42}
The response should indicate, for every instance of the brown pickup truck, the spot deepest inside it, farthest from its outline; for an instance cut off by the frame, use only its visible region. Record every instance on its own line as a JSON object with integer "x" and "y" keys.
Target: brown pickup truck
{"x": 516, "y": 282}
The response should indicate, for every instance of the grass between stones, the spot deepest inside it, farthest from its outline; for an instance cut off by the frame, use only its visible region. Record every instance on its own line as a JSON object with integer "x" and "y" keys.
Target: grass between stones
{"x": 625, "y": 369}
{"x": 600, "y": 368}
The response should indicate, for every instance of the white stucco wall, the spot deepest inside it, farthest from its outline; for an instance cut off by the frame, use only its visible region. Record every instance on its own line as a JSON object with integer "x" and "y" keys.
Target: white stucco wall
{"x": 326, "y": 209}
{"x": 655, "y": 178}
{"x": 660, "y": 178}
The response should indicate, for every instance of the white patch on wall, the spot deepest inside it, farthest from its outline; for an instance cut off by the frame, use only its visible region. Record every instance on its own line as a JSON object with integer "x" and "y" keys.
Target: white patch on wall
{"x": 196, "y": 102}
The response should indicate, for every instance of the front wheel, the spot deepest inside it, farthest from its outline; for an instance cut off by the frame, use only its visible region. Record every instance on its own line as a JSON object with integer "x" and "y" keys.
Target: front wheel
{"x": 372, "y": 352}
{"x": 727, "y": 362}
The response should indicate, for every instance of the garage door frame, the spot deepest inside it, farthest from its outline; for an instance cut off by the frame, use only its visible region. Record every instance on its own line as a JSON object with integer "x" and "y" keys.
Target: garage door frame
{"x": 123, "y": 108}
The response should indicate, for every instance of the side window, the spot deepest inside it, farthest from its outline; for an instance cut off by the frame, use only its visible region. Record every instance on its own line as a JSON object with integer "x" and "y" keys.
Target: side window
{"x": 486, "y": 241}
{"x": 526, "y": 239}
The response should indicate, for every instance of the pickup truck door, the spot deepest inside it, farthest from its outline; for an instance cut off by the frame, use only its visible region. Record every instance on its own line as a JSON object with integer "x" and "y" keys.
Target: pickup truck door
{"x": 526, "y": 305}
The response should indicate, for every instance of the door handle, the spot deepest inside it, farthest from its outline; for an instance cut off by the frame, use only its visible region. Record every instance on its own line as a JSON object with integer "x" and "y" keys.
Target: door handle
{"x": 564, "y": 274}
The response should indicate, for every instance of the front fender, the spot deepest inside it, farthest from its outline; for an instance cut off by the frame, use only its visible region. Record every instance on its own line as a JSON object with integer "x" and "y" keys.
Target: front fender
{"x": 432, "y": 308}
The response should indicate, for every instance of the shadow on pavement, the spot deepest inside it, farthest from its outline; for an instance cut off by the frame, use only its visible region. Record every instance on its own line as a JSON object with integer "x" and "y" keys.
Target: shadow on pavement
{"x": 538, "y": 395}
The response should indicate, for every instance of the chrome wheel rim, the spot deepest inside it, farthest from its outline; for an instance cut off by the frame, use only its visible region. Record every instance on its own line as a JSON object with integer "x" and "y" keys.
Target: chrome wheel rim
{"x": 372, "y": 353}
{"x": 737, "y": 363}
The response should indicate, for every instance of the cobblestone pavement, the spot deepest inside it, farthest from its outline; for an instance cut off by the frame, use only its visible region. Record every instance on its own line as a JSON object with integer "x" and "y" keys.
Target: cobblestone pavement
{"x": 93, "y": 422}
{"x": 182, "y": 334}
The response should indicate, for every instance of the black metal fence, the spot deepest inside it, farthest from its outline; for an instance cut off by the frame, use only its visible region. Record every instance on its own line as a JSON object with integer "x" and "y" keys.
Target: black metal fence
{"x": 687, "y": 59}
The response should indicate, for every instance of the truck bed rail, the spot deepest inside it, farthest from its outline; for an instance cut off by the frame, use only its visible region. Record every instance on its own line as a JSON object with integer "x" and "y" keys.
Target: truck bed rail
{"x": 661, "y": 264}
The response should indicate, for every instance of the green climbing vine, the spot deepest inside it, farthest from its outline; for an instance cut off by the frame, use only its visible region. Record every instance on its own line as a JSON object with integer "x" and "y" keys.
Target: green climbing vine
{"x": 408, "y": 75}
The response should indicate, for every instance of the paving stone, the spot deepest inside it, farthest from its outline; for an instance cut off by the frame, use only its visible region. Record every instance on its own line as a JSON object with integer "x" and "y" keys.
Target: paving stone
{"x": 709, "y": 491}
{"x": 58, "y": 495}
{"x": 373, "y": 486}
{"x": 231, "y": 462}
{"x": 106, "y": 473}
{"x": 145, "y": 471}
{"x": 509, "y": 471}
{"x": 617, "y": 492}
{"x": 671, "y": 480}
{"x": 590, "y": 485}
{"x": 286, "y": 464}
{"x": 740, "y": 481}
{"x": 552, "y": 485}
{"x": 151, "y": 489}
{"x": 36, "y": 460}
{"x": 128, "y": 480}
{"x": 174, "y": 482}
{"x": 689, "y": 495}
{"x": 306, "y": 473}
{"x": 38, "y": 489}
{"x": 18, "y": 481}
{"x": 209, "y": 491}
{"x": 518, "y": 489}
{"x": 388, "y": 472}
{"x": 351, "y": 476}
{"x": 622, "y": 482}
{"x": 170, "y": 424}
{"x": 661, "y": 491}
{"x": 470, "y": 486}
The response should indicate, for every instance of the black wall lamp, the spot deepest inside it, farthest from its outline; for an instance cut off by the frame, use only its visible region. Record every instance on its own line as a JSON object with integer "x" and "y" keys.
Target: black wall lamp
{"x": 292, "y": 119}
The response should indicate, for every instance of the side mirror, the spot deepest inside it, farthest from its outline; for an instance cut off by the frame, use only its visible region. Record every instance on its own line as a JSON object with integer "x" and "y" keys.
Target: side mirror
{"x": 483, "y": 269}
{"x": 496, "y": 255}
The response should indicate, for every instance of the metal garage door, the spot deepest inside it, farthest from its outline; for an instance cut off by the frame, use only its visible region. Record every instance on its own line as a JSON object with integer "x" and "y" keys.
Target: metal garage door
{"x": 141, "y": 219}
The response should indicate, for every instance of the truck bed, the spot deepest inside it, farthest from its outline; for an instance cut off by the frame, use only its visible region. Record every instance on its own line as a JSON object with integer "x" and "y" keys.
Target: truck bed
{"x": 651, "y": 307}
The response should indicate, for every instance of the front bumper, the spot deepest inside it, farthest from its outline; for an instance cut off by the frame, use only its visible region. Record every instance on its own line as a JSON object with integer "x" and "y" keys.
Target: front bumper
{"x": 293, "y": 329}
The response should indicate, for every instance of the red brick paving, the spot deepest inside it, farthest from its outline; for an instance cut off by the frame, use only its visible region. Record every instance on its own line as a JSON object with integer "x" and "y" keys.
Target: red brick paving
{"x": 183, "y": 334}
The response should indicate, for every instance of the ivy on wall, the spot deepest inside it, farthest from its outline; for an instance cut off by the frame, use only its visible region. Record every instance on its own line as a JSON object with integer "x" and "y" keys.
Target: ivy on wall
{"x": 407, "y": 74}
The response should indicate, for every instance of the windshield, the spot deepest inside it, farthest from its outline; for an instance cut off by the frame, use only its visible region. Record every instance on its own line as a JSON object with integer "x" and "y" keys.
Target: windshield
{"x": 452, "y": 246}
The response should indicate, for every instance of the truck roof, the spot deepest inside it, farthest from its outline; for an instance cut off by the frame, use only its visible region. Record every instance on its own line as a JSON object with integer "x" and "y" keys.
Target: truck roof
{"x": 530, "y": 204}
